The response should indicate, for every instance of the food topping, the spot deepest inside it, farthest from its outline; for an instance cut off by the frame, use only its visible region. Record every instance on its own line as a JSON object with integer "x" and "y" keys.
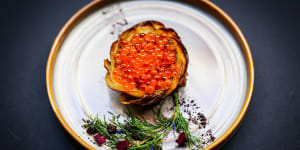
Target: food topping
{"x": 134, "y": 136}
{"x": 91, "y": 131}
{"x": 137, "y": 133}
{"x": 123, "y": 145}
{"x": 100, "y": 139}
{"x": 111, "y": 129}
{"x": 146, "y": 62}
{"x": 181, "y": 141}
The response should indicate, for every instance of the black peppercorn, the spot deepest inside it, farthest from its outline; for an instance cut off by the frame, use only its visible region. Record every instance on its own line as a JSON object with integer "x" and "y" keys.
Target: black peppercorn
{"x": 203, "y": 124}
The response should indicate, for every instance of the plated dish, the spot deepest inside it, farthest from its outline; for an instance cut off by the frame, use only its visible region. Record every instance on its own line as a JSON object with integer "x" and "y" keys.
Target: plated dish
{"x": 220, "y": 68}
{"x": 147, "y": 63}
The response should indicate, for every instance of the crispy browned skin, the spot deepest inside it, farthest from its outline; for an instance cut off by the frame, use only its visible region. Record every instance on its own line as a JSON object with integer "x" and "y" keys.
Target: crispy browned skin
{"x": 137, "y": 96}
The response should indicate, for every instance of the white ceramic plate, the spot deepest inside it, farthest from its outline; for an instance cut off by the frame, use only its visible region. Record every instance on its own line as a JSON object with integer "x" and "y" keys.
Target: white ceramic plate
{"x": 220, "y": 72}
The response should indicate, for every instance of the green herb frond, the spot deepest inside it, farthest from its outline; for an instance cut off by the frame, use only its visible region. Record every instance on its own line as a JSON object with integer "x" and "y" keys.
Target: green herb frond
{"x": 151, "y": 135}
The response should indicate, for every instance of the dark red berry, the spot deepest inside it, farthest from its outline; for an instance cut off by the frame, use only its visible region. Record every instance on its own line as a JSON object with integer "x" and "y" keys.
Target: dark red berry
{"x": 100, "y": 139}
{"x": 111, "y": 129}
{"x": 123, "y": 145}
{"x": 181, "y": 141}
{"x": 134, "y": 136}
{"x": 91, "y": 131}
{"x": 128, "y": 127}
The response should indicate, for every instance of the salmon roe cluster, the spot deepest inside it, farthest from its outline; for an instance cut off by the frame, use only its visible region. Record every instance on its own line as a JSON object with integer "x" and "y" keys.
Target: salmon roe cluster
{"x": 146, "y": 62}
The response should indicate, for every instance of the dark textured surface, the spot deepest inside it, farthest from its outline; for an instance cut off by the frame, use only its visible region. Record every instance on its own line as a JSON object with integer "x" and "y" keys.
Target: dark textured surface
{"x": 28, "y": 29}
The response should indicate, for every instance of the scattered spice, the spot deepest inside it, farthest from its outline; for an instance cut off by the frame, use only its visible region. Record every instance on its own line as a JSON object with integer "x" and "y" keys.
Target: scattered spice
{"x": 181, "y": 141}
{"x": 191, "y": 108}
{"x": 203, "y": 120}
{"x": 100, "y": 139}
{"x": 181, "y": 101}
{"x": 211, "y": 137}
{"x": 209, "y": 132}
{"x": 123, "y": 145}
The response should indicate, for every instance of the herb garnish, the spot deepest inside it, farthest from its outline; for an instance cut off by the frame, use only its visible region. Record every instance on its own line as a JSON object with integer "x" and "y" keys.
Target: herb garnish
{"x": 143, "y": 135}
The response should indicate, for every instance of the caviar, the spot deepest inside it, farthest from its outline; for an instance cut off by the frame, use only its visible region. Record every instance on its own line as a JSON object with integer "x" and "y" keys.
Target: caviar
{"x": 146, "y": 62}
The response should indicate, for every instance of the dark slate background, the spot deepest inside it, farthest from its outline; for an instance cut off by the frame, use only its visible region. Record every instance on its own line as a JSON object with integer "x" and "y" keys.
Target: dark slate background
{"x": 28, "y": 29}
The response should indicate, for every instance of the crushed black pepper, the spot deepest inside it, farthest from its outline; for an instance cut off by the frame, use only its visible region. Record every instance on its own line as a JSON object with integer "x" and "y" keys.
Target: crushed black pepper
{"x": 191, "y": 108}
{"x": 211, "y": 137}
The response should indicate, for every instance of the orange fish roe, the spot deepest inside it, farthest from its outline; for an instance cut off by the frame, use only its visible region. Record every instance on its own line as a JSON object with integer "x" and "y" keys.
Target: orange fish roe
{"x": 146, "y": 62}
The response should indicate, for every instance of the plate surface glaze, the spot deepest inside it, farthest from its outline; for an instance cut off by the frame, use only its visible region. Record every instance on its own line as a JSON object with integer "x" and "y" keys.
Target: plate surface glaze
{"x": 218, "y": 74}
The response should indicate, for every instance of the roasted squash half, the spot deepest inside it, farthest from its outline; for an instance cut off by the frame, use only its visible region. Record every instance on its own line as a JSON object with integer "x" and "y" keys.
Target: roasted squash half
{"x": 147, "y": 63}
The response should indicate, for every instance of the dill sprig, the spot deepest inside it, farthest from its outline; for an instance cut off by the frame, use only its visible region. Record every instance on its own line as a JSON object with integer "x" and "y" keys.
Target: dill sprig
{"x": 182, "y": 125}
{"x": 150, "y": 135}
